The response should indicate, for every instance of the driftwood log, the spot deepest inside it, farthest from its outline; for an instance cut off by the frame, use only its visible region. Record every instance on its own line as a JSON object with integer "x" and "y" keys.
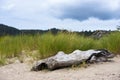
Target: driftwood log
{"x": 61, "y": 59}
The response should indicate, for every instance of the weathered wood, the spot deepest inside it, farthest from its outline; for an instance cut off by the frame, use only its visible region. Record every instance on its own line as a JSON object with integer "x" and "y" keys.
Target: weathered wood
{"x": 64, "y": 60}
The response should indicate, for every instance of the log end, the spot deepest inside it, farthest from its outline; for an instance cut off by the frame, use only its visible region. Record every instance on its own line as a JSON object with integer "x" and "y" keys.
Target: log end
{"x": 39, "y": 67}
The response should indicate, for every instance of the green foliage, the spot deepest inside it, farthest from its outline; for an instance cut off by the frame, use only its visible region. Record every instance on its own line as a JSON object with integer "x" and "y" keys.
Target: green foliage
{"x": 49, "y": 44}
{"x": 111, "y": 42}
{"x": 67, "y": 42}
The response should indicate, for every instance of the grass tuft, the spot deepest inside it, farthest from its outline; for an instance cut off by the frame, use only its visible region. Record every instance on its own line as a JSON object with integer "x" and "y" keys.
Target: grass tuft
{"x": 42, "y": 46}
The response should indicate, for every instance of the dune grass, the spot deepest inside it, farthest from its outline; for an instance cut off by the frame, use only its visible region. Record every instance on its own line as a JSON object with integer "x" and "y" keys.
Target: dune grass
{"x": 67, "y": 42}
{"x": 111, "y": 42}
{"x": 49, "y": 44}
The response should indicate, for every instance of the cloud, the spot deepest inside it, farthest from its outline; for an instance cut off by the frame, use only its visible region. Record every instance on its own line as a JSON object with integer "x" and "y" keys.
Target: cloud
{"x": 82, "y": 10}
{"x": 68, "y": 14}
{"x": 65, "y": 9}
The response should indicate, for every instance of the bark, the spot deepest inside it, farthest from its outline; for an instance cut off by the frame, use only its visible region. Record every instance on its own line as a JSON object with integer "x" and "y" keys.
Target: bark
{"x": 61, "y": 59}
{"x": 53, "y": 64}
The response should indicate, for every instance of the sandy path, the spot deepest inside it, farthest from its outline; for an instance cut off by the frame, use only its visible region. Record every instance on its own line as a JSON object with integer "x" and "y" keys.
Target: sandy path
{"x": 104, "y": 71}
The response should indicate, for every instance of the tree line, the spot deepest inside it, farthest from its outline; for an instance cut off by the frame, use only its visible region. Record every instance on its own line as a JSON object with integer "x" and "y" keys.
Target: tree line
{"x": 8, "y": 30}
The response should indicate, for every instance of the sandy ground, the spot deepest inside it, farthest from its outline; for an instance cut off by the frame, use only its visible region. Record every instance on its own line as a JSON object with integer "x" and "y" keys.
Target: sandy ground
{"x": 101, "y": 71}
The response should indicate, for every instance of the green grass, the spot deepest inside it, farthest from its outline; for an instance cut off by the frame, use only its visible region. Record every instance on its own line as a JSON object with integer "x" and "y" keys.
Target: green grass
{"x": 111, "y": 42}
{"x": 48, "y": 44}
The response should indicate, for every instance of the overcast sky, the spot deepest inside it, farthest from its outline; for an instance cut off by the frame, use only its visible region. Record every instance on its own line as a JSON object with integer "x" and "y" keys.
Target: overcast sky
{"x": 74, "y": 15}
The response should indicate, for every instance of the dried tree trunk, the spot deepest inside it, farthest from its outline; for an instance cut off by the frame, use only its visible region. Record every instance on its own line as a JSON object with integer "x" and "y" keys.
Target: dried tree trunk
{"x": 60, "y": 60}
{"x": 52, "y": 64}
{"x": 64, "y": 60}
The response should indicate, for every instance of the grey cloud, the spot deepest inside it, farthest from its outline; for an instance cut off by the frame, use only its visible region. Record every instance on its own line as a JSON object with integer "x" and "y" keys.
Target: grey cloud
{"x": 87, "y": 10}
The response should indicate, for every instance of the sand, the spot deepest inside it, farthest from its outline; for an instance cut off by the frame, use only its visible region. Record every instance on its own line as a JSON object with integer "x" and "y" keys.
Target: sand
{"x": 99, "y": 71}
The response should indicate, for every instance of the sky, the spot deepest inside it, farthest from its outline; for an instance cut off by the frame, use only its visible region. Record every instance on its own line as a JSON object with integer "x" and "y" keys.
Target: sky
{"x": 73, "y": 15}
